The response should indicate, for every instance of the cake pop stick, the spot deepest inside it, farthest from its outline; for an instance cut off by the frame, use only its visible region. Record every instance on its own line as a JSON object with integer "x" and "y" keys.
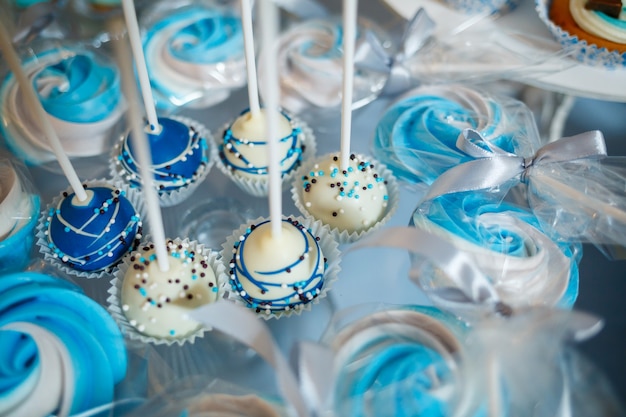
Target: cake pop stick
{"x": 248, "y": 45}
{"x": 142, "y": 146}
{"x": 140, "y": 63}
{"x": 33, "y": 101}
{"x": 269, "y": 24}
{"x": 349, "y": 36}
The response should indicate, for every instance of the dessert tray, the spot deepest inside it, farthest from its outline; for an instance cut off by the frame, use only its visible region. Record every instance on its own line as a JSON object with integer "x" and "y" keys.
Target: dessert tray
{"x": 574, "y": 79}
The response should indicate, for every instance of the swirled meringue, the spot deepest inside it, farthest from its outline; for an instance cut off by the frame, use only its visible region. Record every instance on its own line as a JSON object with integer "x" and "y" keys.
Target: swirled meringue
{"x": 61, "y": 351}
{"x": 310, "y": 65}
{"x": 507, "y": 243}
{"x": 194, "y": 54}
{"x": 81, "y": 95}
{"x": 416, "y": 137}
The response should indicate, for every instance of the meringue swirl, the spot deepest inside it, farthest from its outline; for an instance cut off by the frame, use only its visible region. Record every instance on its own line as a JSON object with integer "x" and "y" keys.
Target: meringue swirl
{"x": 393, "y": 363}
{"x": 310, "y": 65}
{"x": 526, "y": 266}
{"x": 61, "y": 353}
{"x": 194, "y": 56}
{"x": 81, "y": 95}
{"x": 416, "y": 137}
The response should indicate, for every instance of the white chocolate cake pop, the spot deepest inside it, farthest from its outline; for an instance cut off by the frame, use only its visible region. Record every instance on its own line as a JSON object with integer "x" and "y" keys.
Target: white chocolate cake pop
{"x": 354, "y": 199}
{"x": 277, "y": 273}
{"x": 157, "y": 303}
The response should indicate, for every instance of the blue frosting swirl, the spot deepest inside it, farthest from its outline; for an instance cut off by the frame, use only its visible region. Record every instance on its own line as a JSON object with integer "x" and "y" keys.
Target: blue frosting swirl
{"x": 461, "y": 215}
{"x": 95, "y": 235}
{"x": 179, "y": 156}
{"x": 93, "y": 340}
{"x": 78, "y": 89}
{"x": 416, "y": 137}
{"x": 390, "y": 366}
{"x": 292, "y": 294}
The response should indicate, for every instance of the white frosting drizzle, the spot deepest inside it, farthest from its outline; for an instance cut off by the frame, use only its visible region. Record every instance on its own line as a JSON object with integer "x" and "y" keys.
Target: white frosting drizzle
{"x": 590, "y": 21}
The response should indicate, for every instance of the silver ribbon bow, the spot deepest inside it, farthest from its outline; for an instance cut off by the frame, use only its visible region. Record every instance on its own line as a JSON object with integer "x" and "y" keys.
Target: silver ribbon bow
{"x": 372, "y": 55}
{"x": 472, "y": 286}
{"x": 494, "y": 166}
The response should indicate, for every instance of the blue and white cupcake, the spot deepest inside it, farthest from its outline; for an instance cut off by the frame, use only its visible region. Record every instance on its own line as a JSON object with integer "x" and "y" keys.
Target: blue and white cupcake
{"x": 80, "y": 92}
{"x": 183, "y": 152}
{"x": 594, "y": 31}
{"x": 194, "y": 53}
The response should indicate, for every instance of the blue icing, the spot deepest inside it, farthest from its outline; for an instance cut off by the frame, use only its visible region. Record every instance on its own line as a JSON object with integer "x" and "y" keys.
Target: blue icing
{"x": 94, "y": 342}
{"x": 78, "y": 89}
{"x": 303, "y": 291}
{"x": 232, "y": 144}
{"x": 416, "y": 137}
{"x": 390, "y": 371}
{"x": 96, "y": 235}
{"x": 212, "y": 36}
{"x": 179, "y": 155}
{"x": 457, "y": 214}
{"x": 619, "y": 23}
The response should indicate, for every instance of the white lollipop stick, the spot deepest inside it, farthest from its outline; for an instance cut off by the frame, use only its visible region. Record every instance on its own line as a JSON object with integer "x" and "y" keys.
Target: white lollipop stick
{"x": 248, "y": 47}
{"x": 140, "y": 62}
{"x": 269, "y": 25}
{"x": 144, "y": 158}
{"x": 35, "y": 105}
{"x": 349, "y": 36}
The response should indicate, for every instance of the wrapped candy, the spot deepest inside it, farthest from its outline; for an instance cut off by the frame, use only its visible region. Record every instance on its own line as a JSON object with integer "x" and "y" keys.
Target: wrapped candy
{"x": 310, "y": 66}
{"x": 440, "y": 44}
{"x": 416, "y": 137}
{"x": 573, "y": 188}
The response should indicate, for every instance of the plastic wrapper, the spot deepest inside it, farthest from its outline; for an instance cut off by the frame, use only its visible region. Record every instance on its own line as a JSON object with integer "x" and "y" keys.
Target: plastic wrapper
{"x": 194, "y": 53}
{"x": 522, "y": 263}
{"x": 414, "y": 360}
{"x": 62, "y": 353}
{"x": 194, "y": 397}
{"x": 416, "y": 136}
{"x": 442, "y": 45}
{"x": 573, "y": 188}
{"x": 507, "y": 375}
{"x": 310, "y": 59}
{"x": 19, "y": 212}
{"x": 80, "y": 93}
{"x": 392, "y": 361}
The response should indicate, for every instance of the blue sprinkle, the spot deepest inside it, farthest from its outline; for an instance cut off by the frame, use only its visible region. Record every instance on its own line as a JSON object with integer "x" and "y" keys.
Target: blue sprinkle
{"x": 142, "y": 291}
{"x": 67, "y": 229}
{"x": 172, "y": 332}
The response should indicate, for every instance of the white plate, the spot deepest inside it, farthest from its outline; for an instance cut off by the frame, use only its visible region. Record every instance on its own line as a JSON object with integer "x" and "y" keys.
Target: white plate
{"x": 575, "y": 79}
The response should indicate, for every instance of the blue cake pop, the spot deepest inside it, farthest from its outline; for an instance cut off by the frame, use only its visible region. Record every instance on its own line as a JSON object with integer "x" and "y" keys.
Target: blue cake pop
{"x": 94, "y": 235}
